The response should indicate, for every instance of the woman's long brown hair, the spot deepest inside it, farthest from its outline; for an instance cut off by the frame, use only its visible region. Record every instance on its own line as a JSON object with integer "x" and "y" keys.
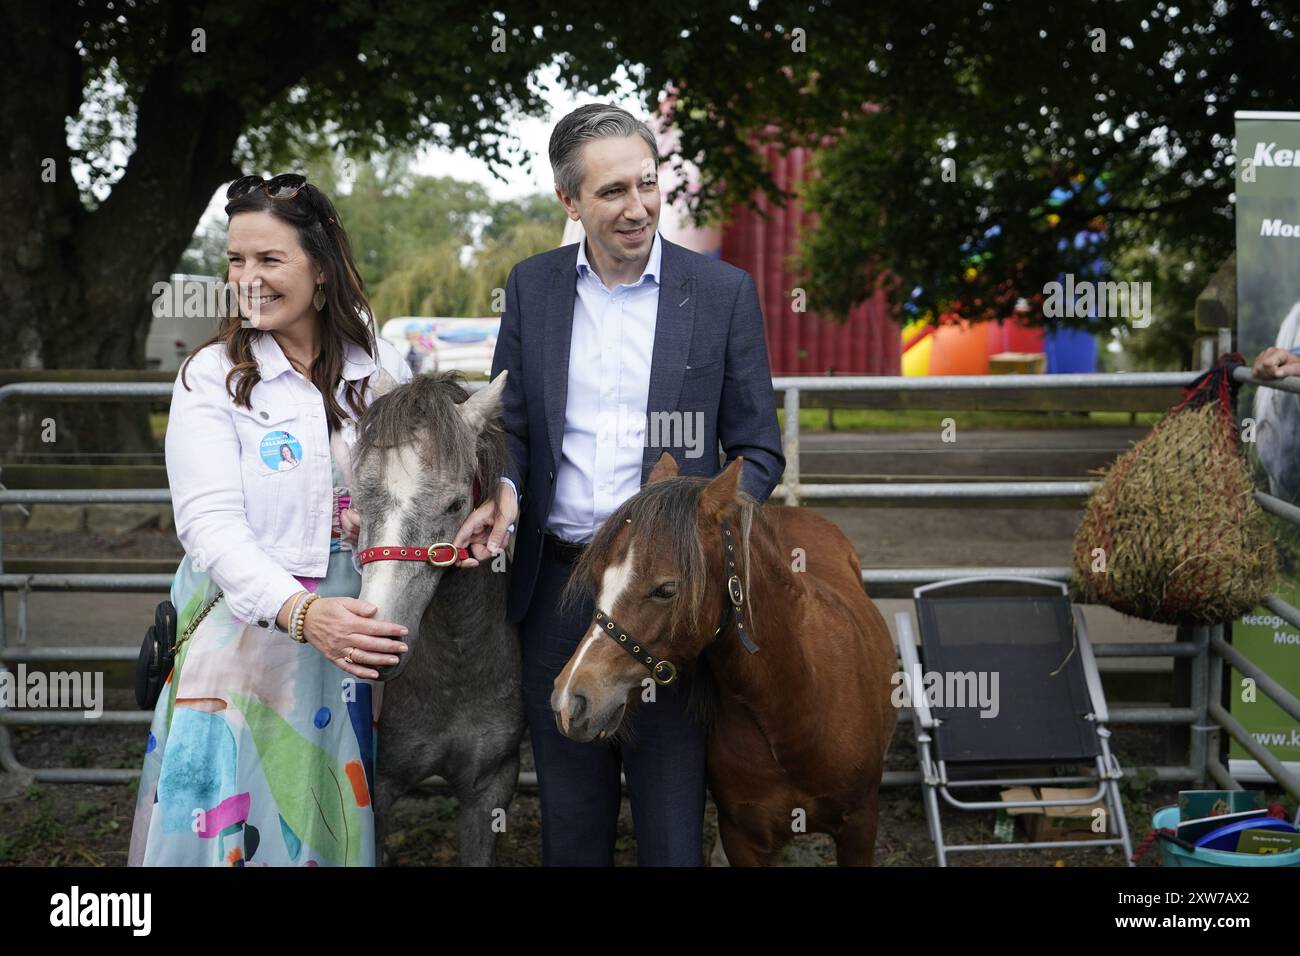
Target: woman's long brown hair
{"x": 347, "y": 313}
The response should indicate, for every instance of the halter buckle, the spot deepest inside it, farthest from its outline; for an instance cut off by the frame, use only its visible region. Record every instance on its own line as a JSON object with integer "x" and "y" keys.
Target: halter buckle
{"x": 664, "y": 673}
{"x": 734, "y": 591}
{"x": 442, "y": 564}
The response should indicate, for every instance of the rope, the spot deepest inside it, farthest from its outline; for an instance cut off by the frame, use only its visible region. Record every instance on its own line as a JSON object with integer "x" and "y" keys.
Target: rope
{"x": 1146, "y": 843}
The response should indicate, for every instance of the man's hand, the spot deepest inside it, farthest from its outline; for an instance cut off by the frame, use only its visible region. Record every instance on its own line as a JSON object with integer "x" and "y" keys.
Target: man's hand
{"x": 1276, "y": 363}
{"x": 488, "y": 526}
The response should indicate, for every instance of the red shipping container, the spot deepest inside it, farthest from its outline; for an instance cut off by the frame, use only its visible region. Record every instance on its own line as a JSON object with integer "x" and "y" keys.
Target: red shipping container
{"x": 804, "y": 343}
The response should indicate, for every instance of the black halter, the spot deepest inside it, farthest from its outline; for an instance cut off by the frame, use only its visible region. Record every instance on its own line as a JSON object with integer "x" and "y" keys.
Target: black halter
{"x": 664, "y": 671}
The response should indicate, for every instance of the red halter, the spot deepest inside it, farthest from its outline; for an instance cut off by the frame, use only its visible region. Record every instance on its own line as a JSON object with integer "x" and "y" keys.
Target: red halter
{"x": 443, "y": 554}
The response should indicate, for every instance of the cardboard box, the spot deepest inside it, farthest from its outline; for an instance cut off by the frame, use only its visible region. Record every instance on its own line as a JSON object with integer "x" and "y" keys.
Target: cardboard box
{"x": 1018, "y": 363}
{"x": 1055, "y": 824}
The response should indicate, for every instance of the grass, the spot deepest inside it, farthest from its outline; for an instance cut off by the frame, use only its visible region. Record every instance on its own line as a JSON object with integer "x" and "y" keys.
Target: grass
{"x": 158, "y": 425}
{"x": 901, "y": 420}
{"x": 910, "y": 419}
{"x": 40, "y": 827}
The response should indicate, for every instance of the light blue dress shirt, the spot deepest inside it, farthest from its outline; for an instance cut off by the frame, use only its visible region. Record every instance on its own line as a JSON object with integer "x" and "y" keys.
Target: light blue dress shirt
{"x": 609, "y": 384}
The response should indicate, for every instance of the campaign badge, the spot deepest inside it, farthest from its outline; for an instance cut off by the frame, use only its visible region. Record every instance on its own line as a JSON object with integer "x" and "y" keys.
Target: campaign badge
{"x": 280, "y": 451}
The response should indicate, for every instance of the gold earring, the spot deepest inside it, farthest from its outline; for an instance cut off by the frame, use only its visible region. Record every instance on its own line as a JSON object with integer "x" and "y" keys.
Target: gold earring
{"x": 318, "y": 300}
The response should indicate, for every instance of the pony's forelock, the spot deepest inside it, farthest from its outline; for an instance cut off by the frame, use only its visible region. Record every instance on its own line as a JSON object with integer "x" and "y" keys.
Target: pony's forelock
{"x": 665, "y": 514}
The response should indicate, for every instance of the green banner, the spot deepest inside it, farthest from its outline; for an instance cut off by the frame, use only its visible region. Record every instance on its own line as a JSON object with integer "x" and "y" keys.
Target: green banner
{"x": 1268, "y": 313}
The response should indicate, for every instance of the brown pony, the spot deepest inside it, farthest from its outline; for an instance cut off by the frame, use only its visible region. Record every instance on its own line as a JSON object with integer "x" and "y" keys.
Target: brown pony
{"x": 799, "y": 660}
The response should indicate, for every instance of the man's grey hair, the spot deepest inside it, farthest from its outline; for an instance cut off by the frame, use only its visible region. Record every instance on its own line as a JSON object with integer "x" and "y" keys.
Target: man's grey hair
{"x": 586, "y": 123}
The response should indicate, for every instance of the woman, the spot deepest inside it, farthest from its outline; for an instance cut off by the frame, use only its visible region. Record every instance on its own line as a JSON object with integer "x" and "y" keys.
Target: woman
{"x": 287, "y": 460}
{"x": 261, "y": 750}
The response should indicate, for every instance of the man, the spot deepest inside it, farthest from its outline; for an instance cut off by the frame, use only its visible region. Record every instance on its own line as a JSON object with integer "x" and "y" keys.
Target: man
{"x": 1276, "y": 362}
{"x": 601, "y": 339}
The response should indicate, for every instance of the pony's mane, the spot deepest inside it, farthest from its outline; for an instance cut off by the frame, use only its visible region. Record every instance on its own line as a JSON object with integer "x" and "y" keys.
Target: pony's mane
{"x": 427, "y": 405}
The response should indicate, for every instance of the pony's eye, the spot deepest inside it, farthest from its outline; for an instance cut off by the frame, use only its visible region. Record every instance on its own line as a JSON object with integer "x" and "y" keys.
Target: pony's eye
{"x": 666, "y": 590}
{"x": 455, "y": 506}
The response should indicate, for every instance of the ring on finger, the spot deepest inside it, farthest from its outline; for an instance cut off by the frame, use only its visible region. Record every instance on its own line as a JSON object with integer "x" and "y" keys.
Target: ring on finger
{"x": 348, "y": 656}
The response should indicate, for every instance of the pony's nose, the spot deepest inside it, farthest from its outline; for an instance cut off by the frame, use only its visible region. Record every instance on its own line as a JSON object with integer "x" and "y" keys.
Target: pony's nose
{"x": 578, "y": 707}
{"x": 570, "y": 719}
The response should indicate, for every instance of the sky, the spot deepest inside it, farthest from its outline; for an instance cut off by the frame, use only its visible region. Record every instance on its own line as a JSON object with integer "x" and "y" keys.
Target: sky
{"x": 533, "y": 134}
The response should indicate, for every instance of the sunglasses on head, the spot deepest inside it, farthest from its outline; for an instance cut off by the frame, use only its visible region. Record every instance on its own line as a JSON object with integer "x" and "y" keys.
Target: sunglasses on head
{"x": 284, "y": 186}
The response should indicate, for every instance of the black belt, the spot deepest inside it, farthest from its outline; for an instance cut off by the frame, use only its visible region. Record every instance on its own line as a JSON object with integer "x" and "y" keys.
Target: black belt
{"x": 566, "y": 552}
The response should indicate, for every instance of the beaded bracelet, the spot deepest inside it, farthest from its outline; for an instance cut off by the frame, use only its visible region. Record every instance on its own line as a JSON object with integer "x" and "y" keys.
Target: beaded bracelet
{"x": 297, "y": 624}
{"x": 298, "y": 599}
{"x": 298, "y": 634}
{"x": 297, "y": 610}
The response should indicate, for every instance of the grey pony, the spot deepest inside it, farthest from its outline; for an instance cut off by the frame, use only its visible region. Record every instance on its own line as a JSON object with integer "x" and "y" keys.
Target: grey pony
{"x": 422, "y": 450}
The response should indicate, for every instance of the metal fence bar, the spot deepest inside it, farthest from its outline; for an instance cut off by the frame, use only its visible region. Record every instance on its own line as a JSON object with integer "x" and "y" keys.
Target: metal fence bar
{"x": 1242, "y": 375}
{"x": 1222, "y": 777}
{"x": 883, "y": 491}
{"x": 101, "y": 655}
{"x": 86, "y": 390}
{"x": 528, "y": 778}
{"x": 790, "y": 479}
{"x": 1149, "y": 649}
{"x": 962, "y": 383}
{"x": 1213, "y": 740}
{"x": 63, "y": 718}
{"x": 868, "y": 491}
{"x": 913, "y": 576}
{"x": 1283, "y": 610}
{"x": 137, "y": 583}
{"x": 1198, "y": 755}
{"x": 1276, "y": 770}
{"x": 23, "y": 593}
{"x": 87, "y": 775}
{"x": 1275, "y": 691}
{"x": 1151, "y": 715}
{"x": 1276, "y": 506}
{"x": 86, "y": 496}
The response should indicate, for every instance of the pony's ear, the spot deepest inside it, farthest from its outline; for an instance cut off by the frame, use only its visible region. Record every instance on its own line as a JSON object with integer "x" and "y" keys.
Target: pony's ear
{"x": 382, "y": 384}
{"x": 665, "y": 467}
{"x": 723, "y": 491}
{"x": 485, "y": 404}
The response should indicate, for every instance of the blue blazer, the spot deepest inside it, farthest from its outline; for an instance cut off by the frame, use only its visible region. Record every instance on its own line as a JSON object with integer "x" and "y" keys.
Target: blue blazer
{"x": 709, "y": 357}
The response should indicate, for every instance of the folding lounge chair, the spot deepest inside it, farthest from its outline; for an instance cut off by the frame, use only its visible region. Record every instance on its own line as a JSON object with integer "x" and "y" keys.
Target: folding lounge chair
{"x": 1050, "y": 710}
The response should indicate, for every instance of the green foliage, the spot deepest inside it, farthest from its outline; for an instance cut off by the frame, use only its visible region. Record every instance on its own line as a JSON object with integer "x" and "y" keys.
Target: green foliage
{"x": 206, "y": 254}
{"x": 1133, "y": 125}
{"x": 367, "y": 75}
{"x": 425, "y": 245}
{"x": 1177, "y": 277}
{"x": 438, "y": 283}
{"x": 391, "y": 214}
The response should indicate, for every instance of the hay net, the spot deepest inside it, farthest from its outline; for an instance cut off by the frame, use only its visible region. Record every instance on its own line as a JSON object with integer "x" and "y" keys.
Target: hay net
{"x": 1174, "y": 534}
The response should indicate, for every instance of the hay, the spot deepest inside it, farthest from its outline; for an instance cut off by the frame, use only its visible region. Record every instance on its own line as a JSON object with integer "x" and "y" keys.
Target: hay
{"x": 1182, "y": 539}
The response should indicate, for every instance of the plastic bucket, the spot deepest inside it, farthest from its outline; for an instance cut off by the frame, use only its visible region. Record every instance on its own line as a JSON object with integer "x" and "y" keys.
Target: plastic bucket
{"x": 1174, "y": 855}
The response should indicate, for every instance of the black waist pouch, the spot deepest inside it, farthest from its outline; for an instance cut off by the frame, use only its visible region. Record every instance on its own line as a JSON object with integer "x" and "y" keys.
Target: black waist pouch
{"x": 157, "y": 655}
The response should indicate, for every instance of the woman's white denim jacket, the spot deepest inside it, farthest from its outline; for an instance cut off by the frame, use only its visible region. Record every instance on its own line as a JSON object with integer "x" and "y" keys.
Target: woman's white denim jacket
{"x": 249, "y": 522}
